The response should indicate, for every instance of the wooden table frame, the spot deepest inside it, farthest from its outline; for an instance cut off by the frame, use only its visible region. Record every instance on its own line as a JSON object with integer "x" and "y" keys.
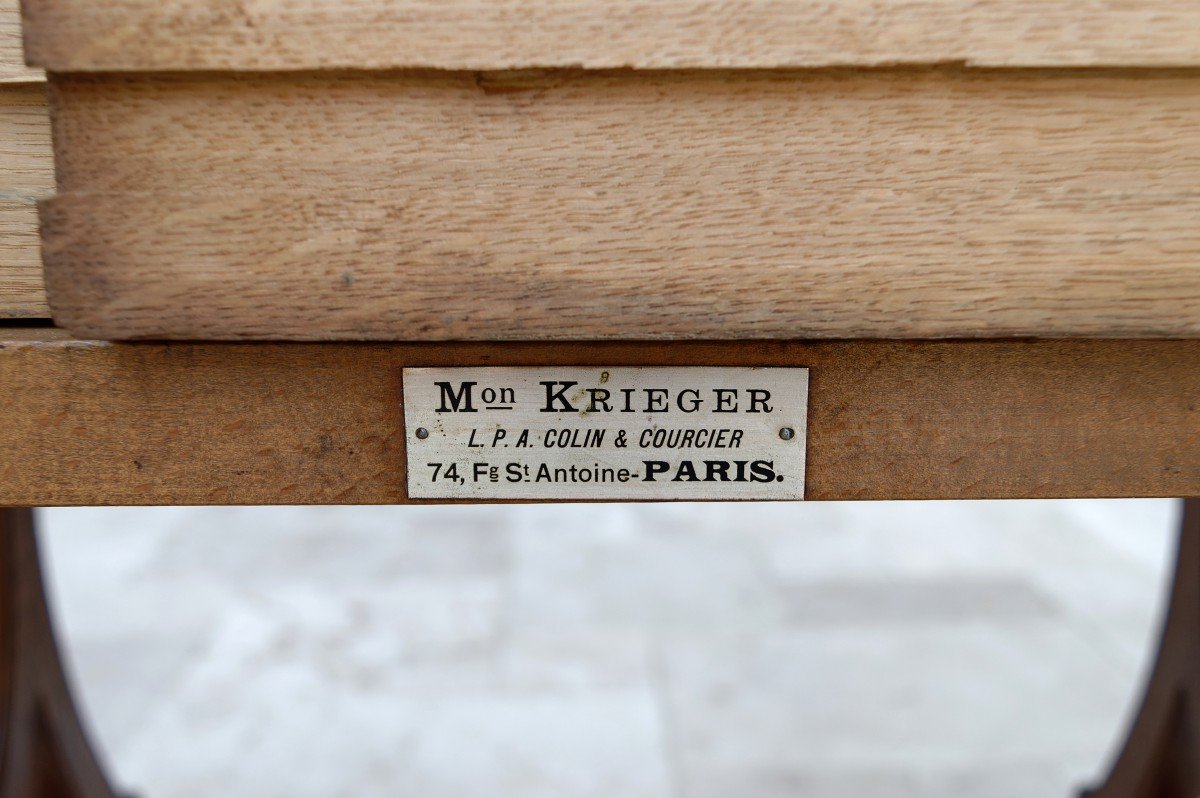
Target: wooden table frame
{"x": 92, "y": 423}
{"x": 1034, "y": 186}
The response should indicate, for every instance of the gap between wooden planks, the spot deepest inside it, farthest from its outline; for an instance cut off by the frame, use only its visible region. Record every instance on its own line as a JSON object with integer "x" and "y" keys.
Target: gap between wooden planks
{"x": 580, "y": 205}
{"x": 99, "y": 423}
{"x": 146, "y": 35}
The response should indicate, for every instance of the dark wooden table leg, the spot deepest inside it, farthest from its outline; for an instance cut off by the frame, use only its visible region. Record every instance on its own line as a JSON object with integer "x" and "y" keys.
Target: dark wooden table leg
{"x": 1161, "y": 757}
{"x": 44, "y": 752}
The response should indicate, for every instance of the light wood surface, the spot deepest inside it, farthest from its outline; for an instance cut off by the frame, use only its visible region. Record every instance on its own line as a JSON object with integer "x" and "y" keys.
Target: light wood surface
{"x": 26, "y": 174}
{"x": 91, "y": 35}
{"x": 97, "y": 423}
{"x": 12, "y": 60}
{"x": 918, "y": 203}
{"x": 22, "y": 293}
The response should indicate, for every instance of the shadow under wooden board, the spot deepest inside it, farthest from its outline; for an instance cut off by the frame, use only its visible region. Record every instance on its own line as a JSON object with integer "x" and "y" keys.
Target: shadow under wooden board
{"x": 101, "y": 423}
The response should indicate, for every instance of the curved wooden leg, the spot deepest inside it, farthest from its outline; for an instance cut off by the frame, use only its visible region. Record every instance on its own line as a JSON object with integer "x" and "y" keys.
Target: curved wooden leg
{"x": 1161, "y": 757}
{"x": 44, "y": 752}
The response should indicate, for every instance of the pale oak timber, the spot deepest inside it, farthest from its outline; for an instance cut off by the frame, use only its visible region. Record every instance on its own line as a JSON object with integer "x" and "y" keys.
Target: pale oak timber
{"x": 26, "y": 174}
{"x": 675, "y": 205}
{"x": 147, "y": 35}
{"x": 12, "y": 60}
{"x": 102, "y": 423}
{"x": 22, "y": 294}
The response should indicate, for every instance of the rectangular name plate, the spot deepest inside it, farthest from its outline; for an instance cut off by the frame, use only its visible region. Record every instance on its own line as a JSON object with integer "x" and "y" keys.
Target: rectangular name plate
{"x": 614, "y": 433}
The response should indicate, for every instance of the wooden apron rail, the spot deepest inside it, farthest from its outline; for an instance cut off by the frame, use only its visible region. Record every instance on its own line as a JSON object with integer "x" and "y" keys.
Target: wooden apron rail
{"x": 96, "y": 423}
{"x": 542, "y": 169}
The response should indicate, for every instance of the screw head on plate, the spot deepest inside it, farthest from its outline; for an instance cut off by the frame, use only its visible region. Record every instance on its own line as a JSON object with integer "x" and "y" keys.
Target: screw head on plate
{"x": 787, "y": 433}
{"x": 422, "y": 433}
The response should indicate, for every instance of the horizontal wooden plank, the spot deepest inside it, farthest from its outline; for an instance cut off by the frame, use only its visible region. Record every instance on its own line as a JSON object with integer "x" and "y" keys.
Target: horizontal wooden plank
{"x": 96, "y": 423}
{"x": 26, "y": 157}
{"x": 627, "y": 205}
{"x": 12, "y": 59}
{"x": 26, "y": 174}
{"x": 103, "y": 35}
{"x": 22, "y": 290}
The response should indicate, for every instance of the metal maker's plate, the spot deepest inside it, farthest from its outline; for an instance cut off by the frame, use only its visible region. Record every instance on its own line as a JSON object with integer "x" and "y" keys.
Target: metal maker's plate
{"x": 619, "y": 433}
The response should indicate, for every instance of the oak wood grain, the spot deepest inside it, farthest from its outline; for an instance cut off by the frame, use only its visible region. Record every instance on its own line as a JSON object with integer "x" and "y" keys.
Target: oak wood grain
{"x": 22, "y": 290}
{"x": 12, "y": 59}
{"x": 106, "y": 35}
{"x": 100, "y": 423}
{"x": 26, "y": 174}
{"x": 570, "y": 205}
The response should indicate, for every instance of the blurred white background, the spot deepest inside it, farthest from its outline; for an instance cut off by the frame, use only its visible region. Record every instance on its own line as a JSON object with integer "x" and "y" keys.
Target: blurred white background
{"x": 963, "y": 650}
